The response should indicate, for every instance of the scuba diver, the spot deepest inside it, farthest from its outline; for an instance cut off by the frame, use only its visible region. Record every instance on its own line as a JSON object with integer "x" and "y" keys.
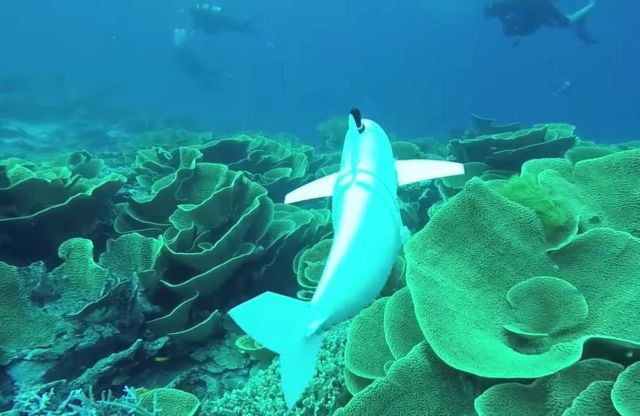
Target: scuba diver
{"x": 524, "y": 17}
{"x": 211, "y": 20}
{"x": 207, "y": 19}
{"x": 189, "y": 61}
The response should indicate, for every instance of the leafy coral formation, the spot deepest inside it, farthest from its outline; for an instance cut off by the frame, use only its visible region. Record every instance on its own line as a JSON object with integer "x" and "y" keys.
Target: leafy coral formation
{"x": 466, "y": 277}
{"x": 416, "y": 384}
{"x": 510, "y": 149}
{"x": 502, "y": 298}
{"x": 309, "y": 264}
{"x": 213, "y": 222}
{"x": 23, "y": 326}
{"x": 42, "y": 205}
{"x": 186, "y": 227}
{"x": 548, "y": 396}
{"x": 277, "y": 166}
{"x": 493, "y": 296}
{"x": 262, "y": 394}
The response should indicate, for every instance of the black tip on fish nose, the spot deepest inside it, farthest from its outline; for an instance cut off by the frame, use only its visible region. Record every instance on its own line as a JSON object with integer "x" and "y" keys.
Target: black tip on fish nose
{"x": 358, "y": 118}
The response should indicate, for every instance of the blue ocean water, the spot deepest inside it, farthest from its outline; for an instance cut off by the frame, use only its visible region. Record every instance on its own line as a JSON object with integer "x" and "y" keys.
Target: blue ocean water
{"x": 171, "y": 223}
{"x": 419, "y": 66}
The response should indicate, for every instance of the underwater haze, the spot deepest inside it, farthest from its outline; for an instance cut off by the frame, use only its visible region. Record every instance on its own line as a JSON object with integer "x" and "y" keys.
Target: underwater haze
{"x": 420, "y": 66}
{"x": 338, "y": 208}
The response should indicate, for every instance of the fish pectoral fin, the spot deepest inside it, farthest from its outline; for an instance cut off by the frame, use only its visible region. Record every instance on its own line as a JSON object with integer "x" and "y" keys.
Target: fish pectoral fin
{"x": 417, "y": 170}
{"x": 319, "y": 188}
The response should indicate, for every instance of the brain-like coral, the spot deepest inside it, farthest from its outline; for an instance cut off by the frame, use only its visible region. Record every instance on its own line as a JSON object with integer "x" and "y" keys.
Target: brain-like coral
{"x": 169, "y": 402}
{"x": 278, "y": 165}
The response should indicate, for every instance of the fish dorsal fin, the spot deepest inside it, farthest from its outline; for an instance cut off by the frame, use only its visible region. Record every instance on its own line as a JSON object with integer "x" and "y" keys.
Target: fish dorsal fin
{"x": 416, "y": 170}
{"x": 319, "y": 188}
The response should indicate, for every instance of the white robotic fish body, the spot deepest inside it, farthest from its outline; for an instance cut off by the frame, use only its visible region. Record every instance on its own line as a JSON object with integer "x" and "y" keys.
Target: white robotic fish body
{"x": 368, "y": 235}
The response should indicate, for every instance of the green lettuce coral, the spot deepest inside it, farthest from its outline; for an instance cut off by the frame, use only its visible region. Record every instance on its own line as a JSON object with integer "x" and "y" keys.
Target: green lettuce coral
{"x": 24, "y": 325}
{"x": 510, "y": 149}
{"x": 494, "y": 298}
{"x": 216, "y": 228}
{"x": 276, "y": 165}
{"x": 625, "y": 393}
{"x": 309, "y": 263}
{"x": 42, "y": 205}
{"x": 416, "y": 384}
{"x": 461, "y": 298}
{"x": 553, "y": 395}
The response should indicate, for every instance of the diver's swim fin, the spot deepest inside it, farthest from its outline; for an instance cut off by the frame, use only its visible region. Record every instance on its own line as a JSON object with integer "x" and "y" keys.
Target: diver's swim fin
{"x": 582, "y": 13}
{"x": 579, "y": 18}
{"x": 277, "y": 322}
{"x": 583, "y": 33}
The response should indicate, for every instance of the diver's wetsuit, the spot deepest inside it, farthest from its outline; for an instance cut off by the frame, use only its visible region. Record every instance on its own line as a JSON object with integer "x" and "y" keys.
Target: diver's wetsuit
{"x": 211, "y": 20}
{"x": 525, "y": 17}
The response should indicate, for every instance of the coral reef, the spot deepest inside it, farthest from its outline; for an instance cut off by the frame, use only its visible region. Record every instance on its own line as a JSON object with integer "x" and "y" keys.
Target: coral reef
{"x": 42, "y": 205}
{"x": 517, "y": 293}
{"x": 494, "y": 298}
{"x": 262, "y": 395}
{"x": 309, "y": 264}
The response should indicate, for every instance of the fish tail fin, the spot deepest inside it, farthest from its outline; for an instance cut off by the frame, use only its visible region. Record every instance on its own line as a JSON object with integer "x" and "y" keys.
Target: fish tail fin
{"x": 277, "y": 322}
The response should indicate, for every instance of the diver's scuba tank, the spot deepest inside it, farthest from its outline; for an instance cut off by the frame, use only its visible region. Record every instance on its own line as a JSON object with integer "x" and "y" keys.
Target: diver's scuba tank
{"x": 206, "y": 8}
{"x": 180, "y": 37}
